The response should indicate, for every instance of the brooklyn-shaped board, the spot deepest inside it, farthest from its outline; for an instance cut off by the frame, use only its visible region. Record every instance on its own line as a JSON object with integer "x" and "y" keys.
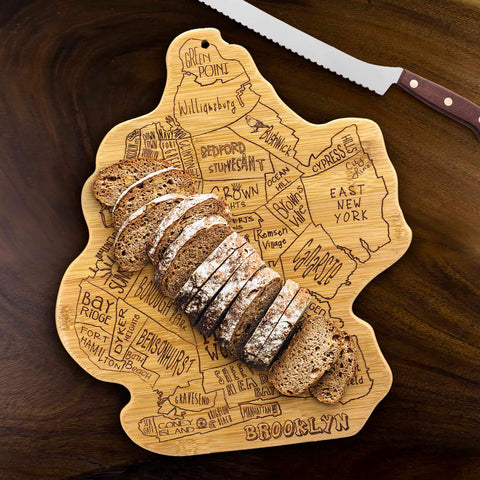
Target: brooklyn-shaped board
{"x": 320, "y": 204}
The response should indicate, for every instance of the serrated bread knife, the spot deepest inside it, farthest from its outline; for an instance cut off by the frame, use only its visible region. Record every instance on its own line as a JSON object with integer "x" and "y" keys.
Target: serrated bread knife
{"x": 375, "y": 77}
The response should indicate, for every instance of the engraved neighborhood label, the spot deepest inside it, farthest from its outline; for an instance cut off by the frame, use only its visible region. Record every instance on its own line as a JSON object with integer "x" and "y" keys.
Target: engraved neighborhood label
{"x": 232, "y": 158}
{"x": 317, "y": 261}
{"x": 164, "y": 354}
{"x": 282, "y": 177}
{"x": 208, "y": 66}
{"x": 344, "y": 145}
{"x": 251, "y": 410}
{"x": 290, "y": 207}
{"x": 165, "y": 141}
{"x": 134, "y": 363}
{"x": 146, "y": 294}
{"x": 239, "y": 382}
{"x": 242, "y": 196}
{"x": 128, "y": 323}
{"x": 247, "y": 221}
{"x": 264, "y": 127}
{"x": 192, "y": 397}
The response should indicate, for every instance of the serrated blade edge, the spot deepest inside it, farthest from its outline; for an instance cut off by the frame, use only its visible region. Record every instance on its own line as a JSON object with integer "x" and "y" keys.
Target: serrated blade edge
{"x": 374, "y": 77}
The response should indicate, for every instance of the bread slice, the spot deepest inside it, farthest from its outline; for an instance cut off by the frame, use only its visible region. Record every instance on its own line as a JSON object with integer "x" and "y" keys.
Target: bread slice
{"x": 188, "y": 251}
{"x": 248, "y": 309}
{"x": 190, "y": 210}
{"x": 113, "y": 180}
{"x": 331, "y": 387}
{"x": 284, "y": 329}
{"x": 213, "y": 285}
{"x": 207, "y": 268}
{"x": 311, "y": 352}
{"x": 130, "y": 247}
{"x": 217, "y": 308}
{"x": 156, "y": 184}
{"x": 260, "y": 335}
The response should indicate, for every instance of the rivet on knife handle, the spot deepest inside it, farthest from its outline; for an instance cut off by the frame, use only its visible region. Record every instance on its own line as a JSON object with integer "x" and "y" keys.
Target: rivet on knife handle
{"x": 442, "y": 99}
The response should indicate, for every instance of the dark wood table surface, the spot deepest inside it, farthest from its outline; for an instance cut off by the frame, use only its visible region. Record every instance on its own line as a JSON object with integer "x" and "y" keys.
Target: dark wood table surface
{"x": 70, "y": 70}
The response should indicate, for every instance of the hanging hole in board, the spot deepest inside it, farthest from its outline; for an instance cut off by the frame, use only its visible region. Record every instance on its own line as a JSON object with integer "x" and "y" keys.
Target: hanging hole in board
{"x": 205, "y": 44}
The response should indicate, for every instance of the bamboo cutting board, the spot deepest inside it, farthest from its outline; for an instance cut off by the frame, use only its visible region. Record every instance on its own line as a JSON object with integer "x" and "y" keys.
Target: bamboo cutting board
{"x": 319, "y": 202}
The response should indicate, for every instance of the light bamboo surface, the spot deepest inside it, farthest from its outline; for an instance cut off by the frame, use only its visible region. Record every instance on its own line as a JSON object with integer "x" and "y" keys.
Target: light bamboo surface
{"x": 319, "y": 202}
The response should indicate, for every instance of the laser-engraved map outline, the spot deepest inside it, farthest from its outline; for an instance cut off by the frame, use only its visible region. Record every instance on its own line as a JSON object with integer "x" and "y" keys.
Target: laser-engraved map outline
{"x": 318, "y": 201}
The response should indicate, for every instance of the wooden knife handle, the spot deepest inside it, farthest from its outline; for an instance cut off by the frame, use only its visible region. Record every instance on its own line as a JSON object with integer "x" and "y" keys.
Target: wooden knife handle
{"x": 440, "y": 98}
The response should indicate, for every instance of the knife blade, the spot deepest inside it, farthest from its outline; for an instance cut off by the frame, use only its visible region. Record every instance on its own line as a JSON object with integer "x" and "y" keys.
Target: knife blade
{"x": 377, "y": 78}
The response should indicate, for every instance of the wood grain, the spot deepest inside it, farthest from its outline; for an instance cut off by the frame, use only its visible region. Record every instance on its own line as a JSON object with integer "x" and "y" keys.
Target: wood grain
{"x": 442, "y": 99}
{"x": 318, "y": 202}
{"x": 67, "y": 75}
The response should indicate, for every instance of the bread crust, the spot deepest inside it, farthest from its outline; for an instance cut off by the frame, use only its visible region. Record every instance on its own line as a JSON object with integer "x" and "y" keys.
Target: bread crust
{"x": 311, "y": 352}
{"x": 268, "y": 322}
{"x": 232, "y": 329}
{"x": 124, "y": 250}
{"x": 188, "y": 235}
{"x": 207, "y": 292}
{"x": 183, "y": 214}
{"x": 208, "y": 268}
{"x": 155, "y": 184}
{"x": 111, "y": 181}
{"x": 333, "y": 384}
{"x": 289, "y": 321}
{"x": 215, "y": 311}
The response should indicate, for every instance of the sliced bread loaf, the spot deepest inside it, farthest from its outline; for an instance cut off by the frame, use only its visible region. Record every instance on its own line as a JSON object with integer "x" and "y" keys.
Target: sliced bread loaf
{"x": 207, "y": 268}
{"x": 213, "y": 285}
{"x": 156, "y": 184}
{"x": 248, "y": 309}
{"x": 311, "y": 352}
{"x": 331, "y": 387}
{"x": 283, "y": 330}
{"x": 217, "y": 308}
{"x": 269, "y": 321}
{"x": 190, "y": 210}
{"x": 188, "y": 251}
{"x": 113, "y": 180}
{"x": 130, "y": 247}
